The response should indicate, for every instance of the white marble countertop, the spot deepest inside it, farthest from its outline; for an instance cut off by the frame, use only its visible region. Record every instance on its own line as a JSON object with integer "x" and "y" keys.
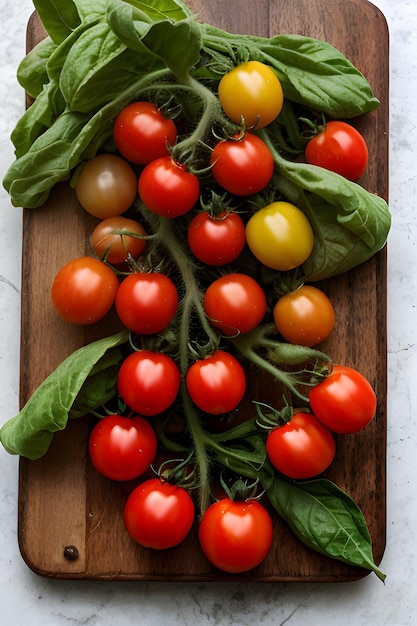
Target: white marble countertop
{"x": 26, "y": 598}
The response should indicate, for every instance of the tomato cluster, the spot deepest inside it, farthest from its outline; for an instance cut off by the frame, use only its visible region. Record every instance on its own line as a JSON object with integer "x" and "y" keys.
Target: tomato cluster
{"x": 140, "y": 196}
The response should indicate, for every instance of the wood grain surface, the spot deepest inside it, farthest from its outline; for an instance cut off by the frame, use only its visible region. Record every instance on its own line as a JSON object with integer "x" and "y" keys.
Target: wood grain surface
{"x": 62, "y": 500}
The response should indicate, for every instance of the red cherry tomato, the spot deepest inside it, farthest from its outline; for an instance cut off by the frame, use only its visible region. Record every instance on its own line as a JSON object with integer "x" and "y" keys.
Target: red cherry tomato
{"x": 114, "y": 239}
{"x": 302, "y": 448}
{"x": 235, "y": 536}
{"x": 235, "y": 303}
{"x": 158, "y": 515}
{"x": 345, "y": 401}
{"x": 243, "y": 166}
{"x": 142, "y": 133}
{"x": 148, "y": 382}
{"x": 339, "y": 148}
{"x": 217, "y": 383}
{"x": 122, "y": 448}
{"x": 146, "y": 303}
{"x": 216, "y": 240}
{"x": 84, "y": 290}
{"x": 167, "y": 188}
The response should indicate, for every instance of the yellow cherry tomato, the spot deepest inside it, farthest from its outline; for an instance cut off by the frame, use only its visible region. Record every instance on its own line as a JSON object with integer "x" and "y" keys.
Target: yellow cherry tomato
{"x": 251, "y": 91}
{"x": 280, "y": 236}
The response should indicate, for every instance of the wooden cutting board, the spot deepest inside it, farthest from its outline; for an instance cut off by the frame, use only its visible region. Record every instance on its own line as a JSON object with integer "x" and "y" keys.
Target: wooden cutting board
{"x": 62, "y": 500}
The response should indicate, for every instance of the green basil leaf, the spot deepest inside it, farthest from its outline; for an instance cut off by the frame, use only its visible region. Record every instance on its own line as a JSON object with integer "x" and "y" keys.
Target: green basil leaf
{"x": 37, "y": 118}
{"x": 59, "y": 17}
{"x": 32, "y": 71}
{"x": 30, "y": 432}
{"x": 92, "y": 52}
{"x": 326, "y": 519}
{"x": 176, "y": 43}
{"x": 315, "y": 73}
{"x": 174, "y": 10}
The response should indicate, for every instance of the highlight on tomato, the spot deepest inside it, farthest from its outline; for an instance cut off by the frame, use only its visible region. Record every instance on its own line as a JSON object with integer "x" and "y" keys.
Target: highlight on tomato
{"x": 340, "y": 148}
{"x": 148, "y": 382}
{"x": 235, "y": 303}
{"x": 122, "y": 448}
{"x": 106, "y": 186}
{"x": 146, "y": 302}
{"x": 345, "y": 401}
{"x": 115, "y": 239}
{"x": 243, "y": 165}
{"x": 280, "y": 236}
{"x": 142, "y": 133}
{"x": 217, "y": 383}
{"x": 84, "y": 290}
{"x": 251, "y": 92}
{"x": 216, "y": 239}
{"x": 305, "y": 316}
{"x": 159, "y": 515}
{"x": 235, "y": 536}
{"x": 167, "y": 188}
{"x": 301, "y": 448}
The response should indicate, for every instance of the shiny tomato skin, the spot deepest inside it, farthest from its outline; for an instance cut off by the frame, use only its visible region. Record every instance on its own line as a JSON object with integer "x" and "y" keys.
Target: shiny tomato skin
{"x": 302, "y": 448}
{"x": 242, "y": 166}
{"x": 142, "y": 133}
{"x": 217, "y": 383}
{"x": 148, "y": 382}
{"x": 339, "y": 148}
{"x": 235, "y": 303}
{"x": 251, "y": 91}
{"x": 280, "y": 236}
{"x": 167, "y": 188}
{"x": 84, "y": 290}
{"x": 106, "y": 186}
{"x": 344, "y": 401}
{"x": 235, "y": 536}
{"x": 112, "y": 239}
{"x": 216, "y": 240}
{"x": 158, "y": 515}
{"x": 146, "y": 303}
{"x": 305, "y": 317}
{"x": 122, "y": 448}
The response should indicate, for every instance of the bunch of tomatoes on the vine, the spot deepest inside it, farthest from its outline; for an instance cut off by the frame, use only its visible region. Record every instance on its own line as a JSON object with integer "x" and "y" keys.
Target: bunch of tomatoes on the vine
{"x": 174, "y": 267}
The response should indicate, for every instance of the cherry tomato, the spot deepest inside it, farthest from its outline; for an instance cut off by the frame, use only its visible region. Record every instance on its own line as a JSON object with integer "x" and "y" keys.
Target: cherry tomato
{"x": 216, "y": 240}
{"x": 302, "y": 448}
{"x": 122, "y": 448}
{"x": 280, "y": 236}
{"x": 146, "y": 303}
{"x": 235, "y": 303}
{"x": 305, "y": 316}
{"x": 142, "y": 133}
{"x": 114, "y": 239}
{"x": 339, "y": 148}
{"x": 251, "y": 91}
{"x": 235, "y": 536}
{"x": 158, "y": 515}
{"x": 242, "y": 165}
{"x": 167, "y": 188}
{"x": 84, "y": 290}
{"x": 344, "y": 401}
{"x": 217, "y": 383}
{"x": 148, "y": 382}
{"x": 106, "y": 186}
